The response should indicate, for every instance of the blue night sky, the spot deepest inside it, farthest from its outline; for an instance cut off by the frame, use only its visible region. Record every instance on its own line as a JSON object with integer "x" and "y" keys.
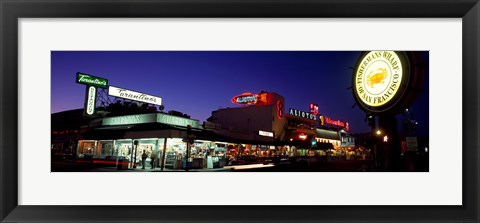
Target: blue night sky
{"x": 199, "y": 82}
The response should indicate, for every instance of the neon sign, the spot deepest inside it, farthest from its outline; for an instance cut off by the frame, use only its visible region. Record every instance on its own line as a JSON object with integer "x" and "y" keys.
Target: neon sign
{"x": 302, "y": 136}
{"x": 245, "y": 99}
{"x": 280, "y": 109}
{"x": 91, "y": 80}
{"x": 326, "y": 120}
{"x": 132, "y": 95}
{"x": 378, "y": 77}
{"x": 91, "y": 100}
{"x": 314, "y": 109}
{"x": 302, "y": 114}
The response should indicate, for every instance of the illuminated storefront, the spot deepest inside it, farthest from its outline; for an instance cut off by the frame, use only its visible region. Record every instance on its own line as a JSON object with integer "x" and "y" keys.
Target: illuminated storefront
{"x": 330, "y": 137}
{"x": 128, "y": 137}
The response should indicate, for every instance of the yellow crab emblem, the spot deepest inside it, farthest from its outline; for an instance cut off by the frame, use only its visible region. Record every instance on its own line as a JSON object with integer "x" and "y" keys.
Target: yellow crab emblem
{"x": 376, "y": 76}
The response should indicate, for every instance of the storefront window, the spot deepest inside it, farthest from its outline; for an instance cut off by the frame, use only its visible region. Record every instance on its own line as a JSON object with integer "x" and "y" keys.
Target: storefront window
{"x": 149, "y": 146}
{"x": 104, "y": 148}
{"x": 175, "y": 152}
{"x": 85, "y": 148}
{"x": 220, "y": 149}
{"x": 123, "y": 147}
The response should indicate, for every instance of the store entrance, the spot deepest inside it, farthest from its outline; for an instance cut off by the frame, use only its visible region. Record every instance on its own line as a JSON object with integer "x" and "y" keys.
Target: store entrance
{"x": 147, "y": 153}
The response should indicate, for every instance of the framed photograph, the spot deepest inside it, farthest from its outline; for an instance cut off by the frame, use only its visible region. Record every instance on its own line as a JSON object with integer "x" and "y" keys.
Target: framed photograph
{"x": 227, "y": 111}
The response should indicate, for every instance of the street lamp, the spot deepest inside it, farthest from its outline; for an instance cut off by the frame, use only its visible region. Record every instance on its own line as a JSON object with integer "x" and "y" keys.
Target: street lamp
{"x": 379, "y": 132}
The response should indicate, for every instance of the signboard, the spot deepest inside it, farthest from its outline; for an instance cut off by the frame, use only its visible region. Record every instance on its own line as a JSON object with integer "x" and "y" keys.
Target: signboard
{"x": 412, "y": 144}
{"x": 385, "y": 81}
{"x": 130, "y": 119}
{"x": 150, "y": 118}
{"x": 132, "y": 95}
{"x": 248, "y": 98}
{"x": 314, "y": 108}
{"x": 245, "y": 98}
{"x": 91, "y": 80}
{"x": 280, "y": 109}
{"x": 302, "y": 114}
{"x": 326, "y": 120}
{"x": 378, "y": 77}
{"x": 265, "y": 133}
{"x": 174, "y": 120}
{"x": 91, "y": 100}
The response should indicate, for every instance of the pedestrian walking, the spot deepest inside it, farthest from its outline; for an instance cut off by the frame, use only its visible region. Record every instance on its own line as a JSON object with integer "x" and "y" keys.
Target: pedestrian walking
{"x": 144, "y": 157}
{"x": 152, "y": 160}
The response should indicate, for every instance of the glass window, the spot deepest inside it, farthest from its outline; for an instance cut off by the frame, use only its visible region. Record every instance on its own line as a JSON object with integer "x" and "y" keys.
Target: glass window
{"x": 124, "y": 148}
{"x": 175, "y": 152}
{"x": 104, "y": 148}
{"x": 85, "y": 148}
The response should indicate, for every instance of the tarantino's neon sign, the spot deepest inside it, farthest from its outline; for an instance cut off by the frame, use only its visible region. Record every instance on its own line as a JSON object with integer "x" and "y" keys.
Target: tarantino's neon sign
{"x": 132, "y": 95}
{"x": 326, "y": 120}
{"x": 91, "y": 80}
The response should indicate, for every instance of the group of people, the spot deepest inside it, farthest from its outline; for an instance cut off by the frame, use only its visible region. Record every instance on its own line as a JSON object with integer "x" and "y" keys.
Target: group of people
{"x": 153, "y": 158}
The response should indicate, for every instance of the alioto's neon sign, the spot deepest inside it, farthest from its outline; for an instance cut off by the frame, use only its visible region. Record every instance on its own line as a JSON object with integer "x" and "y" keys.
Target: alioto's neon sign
{"x": 245, "y": 99}
{"x": 302, "y": 114}
{"x": 248, "y": 98}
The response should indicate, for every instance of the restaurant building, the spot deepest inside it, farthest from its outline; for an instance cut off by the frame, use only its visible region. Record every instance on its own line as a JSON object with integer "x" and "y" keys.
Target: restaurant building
{"x": 258, "y": 124}
{"x": 128, "y": 137}
{"x": 121, "y": 133}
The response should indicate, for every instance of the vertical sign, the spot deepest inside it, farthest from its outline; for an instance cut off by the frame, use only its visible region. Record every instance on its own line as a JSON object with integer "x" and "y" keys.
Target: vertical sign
{"x": 314, "y": 108}
{"x": 92, "y": 83}
{"x": 91, "y": 100}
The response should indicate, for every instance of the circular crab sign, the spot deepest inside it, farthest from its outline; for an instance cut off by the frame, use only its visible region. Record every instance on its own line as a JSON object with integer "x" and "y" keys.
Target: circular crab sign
{"x": 381, "y": 80}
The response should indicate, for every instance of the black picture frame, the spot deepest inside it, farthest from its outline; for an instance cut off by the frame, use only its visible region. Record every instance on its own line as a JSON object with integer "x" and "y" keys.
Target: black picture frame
{"x": 11, "y": 11}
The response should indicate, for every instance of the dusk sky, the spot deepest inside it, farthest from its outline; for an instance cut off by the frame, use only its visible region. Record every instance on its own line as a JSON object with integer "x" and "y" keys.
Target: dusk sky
{"x": 199, "y": 82}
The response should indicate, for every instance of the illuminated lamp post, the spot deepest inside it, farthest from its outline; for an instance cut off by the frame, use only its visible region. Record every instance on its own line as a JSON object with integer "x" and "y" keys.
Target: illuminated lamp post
{"x": 388, "y": 123}
{"x": 374, "y": 134}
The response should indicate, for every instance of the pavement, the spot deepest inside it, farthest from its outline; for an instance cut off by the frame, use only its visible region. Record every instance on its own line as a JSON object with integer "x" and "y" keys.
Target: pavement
{"x": 319, "y": 166}
{"x": 89, "y": 168}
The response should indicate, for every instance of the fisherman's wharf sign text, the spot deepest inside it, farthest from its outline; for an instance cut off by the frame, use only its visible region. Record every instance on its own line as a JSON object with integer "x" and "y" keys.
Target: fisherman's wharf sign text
{"x": 378, "y": 78}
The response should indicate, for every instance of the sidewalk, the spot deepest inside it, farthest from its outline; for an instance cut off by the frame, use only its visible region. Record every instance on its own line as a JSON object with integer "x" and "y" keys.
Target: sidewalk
{"x": 89, "y": 168}
{"x": 174, "y": 170}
